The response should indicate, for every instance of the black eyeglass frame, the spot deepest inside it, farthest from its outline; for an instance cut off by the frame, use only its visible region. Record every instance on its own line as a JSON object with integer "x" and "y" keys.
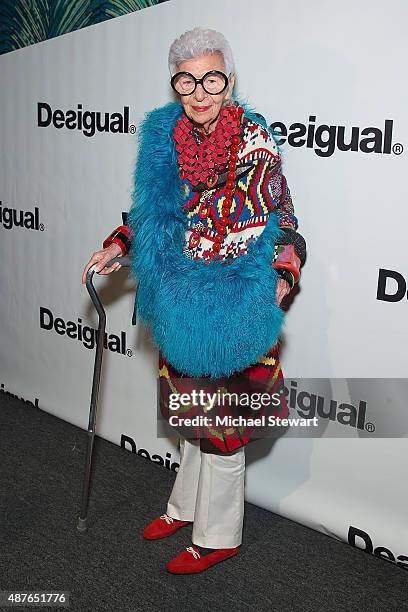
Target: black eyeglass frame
{"x": 197, "y": 81}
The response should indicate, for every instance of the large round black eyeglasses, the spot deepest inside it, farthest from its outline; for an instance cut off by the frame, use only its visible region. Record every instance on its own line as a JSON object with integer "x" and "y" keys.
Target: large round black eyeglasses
{"x": 213, "y": 82}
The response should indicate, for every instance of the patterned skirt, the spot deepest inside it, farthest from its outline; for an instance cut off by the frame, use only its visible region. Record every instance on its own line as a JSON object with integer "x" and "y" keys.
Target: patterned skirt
{"x": 228, "y": 425}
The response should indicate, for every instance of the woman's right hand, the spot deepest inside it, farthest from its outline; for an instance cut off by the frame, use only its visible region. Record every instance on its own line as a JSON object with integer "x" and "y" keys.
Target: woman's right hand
{"x": 101, "y": 258}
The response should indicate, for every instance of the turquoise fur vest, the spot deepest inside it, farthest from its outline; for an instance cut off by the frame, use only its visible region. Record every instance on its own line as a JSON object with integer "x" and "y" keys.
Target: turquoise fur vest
{"x": 208, "y": 319}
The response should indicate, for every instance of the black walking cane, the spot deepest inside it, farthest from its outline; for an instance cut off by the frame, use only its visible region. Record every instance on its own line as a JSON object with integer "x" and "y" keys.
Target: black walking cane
{"x": 124, "y": 261}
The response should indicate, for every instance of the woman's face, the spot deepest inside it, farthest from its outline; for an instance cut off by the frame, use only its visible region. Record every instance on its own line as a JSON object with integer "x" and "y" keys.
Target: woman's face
{"x": 203, "y": 108}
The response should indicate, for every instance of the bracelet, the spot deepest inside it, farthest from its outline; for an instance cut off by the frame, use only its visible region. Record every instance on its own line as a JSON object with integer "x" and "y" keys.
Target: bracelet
{"x": 292, "y": 237}
{"x": 117, "y": 241}
{"x": 286, "y": 257}
{"x": 287, "y": 276}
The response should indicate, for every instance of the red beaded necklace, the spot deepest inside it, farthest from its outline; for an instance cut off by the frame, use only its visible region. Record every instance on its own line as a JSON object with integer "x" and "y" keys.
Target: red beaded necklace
{"x": 203, "y": 162}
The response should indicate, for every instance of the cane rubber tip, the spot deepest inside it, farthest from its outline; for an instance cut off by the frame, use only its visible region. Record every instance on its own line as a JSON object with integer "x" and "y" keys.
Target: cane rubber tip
{"x": 81, "y": 525}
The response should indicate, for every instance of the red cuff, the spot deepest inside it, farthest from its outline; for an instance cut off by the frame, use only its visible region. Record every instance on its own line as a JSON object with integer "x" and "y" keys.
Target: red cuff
{"x": 120, "y": 236}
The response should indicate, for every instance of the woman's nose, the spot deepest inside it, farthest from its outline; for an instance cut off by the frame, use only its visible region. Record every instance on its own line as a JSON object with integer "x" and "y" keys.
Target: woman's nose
{"x": 199, "y": 93}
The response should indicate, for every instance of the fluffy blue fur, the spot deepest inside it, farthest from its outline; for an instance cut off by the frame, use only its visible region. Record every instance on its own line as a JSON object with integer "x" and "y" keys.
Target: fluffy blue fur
{"x": 207, "y": 319}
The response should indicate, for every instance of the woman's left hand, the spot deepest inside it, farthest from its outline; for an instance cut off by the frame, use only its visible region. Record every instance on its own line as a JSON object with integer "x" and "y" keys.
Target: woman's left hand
{"x": 282, "y": 289}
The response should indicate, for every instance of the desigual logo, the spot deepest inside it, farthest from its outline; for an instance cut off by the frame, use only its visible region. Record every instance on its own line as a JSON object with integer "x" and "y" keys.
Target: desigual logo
{"x": 309, "y": 405}
{"x": 142, "y": 452}
{"x": 88, "y": 122}
{"x": 34, "y": 402}
{"x": 13, "y": 217}
{"x": 395, "y": 290}
{"x": 83, "y": 333}
{"x": 325, "y": 139}
{"x": 360, "y": 539}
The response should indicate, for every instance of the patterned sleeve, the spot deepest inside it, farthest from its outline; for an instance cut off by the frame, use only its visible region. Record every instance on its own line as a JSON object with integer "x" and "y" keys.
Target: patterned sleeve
{"x": 281, "y": 195}
{"x": 122, "y": 236}
{"x": 290, "y": 250}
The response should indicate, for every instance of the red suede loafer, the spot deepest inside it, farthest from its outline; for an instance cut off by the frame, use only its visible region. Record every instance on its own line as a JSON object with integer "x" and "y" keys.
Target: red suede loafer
{"x": 162, "y": 527}
{"x": 190, "y": 561}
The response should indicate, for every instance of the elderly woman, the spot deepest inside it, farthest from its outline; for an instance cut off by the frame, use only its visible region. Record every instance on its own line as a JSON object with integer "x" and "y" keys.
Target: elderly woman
{"x": 215, "y": 249}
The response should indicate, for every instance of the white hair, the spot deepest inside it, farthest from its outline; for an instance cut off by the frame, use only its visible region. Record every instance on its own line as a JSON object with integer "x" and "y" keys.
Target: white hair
{"x": 200, "y": 41}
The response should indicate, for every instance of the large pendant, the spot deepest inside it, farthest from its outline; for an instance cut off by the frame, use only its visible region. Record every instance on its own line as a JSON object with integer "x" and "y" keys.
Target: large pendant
{"x": 211, "y": 180}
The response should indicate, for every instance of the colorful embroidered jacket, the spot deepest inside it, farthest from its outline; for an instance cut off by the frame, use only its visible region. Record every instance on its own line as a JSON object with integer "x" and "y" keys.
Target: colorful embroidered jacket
{"x": 261, "y": 189}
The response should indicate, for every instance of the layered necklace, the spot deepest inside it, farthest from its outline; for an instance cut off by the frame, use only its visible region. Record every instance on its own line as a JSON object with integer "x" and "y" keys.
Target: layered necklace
{"x": 202, "y": 159}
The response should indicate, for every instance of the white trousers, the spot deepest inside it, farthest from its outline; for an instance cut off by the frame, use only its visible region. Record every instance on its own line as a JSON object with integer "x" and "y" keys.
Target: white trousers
{"x": 209, "y": 490}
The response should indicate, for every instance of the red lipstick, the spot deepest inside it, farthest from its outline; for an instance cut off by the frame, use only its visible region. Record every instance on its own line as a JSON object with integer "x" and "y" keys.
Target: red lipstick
{"x": 200, "y": 109}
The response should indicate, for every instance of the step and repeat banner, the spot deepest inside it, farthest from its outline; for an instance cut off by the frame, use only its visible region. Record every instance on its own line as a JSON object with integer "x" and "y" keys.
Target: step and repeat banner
{"x": 327, "y": 77}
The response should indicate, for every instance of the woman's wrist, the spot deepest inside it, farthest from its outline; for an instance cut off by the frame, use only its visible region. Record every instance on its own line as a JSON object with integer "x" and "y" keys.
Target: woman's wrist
{"x": 116, "y": 248}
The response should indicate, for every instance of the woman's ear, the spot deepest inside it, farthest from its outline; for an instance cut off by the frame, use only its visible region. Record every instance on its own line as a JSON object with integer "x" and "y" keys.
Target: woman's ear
{"x": 231, "y": 83}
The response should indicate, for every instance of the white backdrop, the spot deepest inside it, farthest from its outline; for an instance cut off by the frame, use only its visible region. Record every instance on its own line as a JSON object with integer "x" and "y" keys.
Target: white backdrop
{"x": 315, "y": 64}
